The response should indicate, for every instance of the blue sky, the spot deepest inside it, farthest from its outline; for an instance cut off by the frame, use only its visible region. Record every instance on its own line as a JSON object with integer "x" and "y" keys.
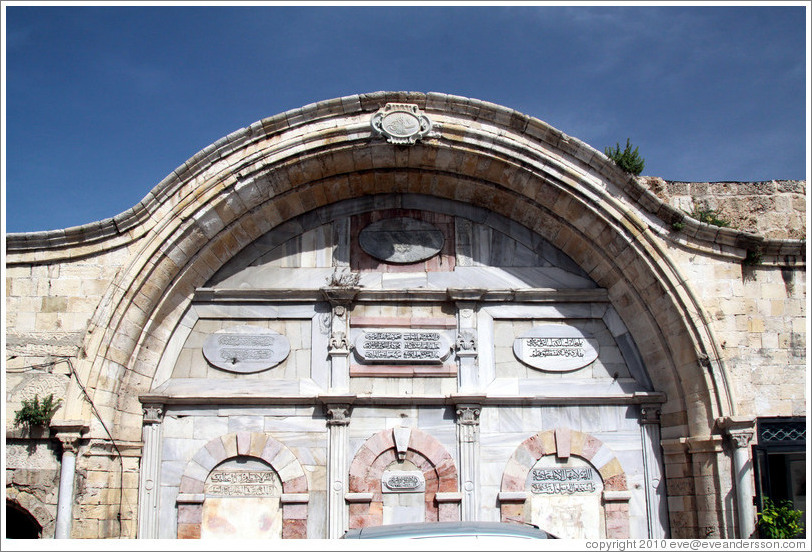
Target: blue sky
{"x": 103, "y": 102}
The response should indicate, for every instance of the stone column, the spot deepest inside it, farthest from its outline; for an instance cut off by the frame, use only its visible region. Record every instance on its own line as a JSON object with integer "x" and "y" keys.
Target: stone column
{"x": 740, "y": 431}
{"x": 68, "y": 433}
{"x": 656, "y": 512}
{"x": 468, "y": 441}
{"x": 338, "y": 418}
{"x": 468, "y": 369}
{"x": 149, "y": 487}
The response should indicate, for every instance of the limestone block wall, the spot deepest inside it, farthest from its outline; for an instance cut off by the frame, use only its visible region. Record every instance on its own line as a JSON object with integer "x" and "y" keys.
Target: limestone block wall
{"x": 758, "y": 314}
{"x": 773, "y": 209}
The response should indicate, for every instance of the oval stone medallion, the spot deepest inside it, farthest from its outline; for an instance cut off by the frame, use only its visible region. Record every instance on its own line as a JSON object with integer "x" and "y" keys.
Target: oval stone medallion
{"x": 556, "y": 348}
{"x": 246, "y": 349}
{"x": 401, "y": 240}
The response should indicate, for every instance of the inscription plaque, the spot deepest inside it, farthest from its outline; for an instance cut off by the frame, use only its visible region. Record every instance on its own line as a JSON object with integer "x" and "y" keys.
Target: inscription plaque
{"x": 246, "y": 349}
{"x": 412, "y": 346}
{"x": 556, "y": 348}
{"x": 563, "y": 481}
{"x": 403, "y": 482}
{"x": 401, "y": 240}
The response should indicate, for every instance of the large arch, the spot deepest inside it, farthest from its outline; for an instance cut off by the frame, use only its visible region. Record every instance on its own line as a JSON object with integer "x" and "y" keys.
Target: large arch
{"x": 253, "y": 180}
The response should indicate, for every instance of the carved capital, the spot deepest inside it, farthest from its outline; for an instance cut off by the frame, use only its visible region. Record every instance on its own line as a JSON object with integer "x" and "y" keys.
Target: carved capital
{"x": 650, "y": 413}
{"x": 337, "y": 414}
{"x": 468, "y": 414}
{"x": 68, "y": 433}
{"x": 70, "y": 441}
{"x": 153, "y": 413}
{"x": 741, "y": 437}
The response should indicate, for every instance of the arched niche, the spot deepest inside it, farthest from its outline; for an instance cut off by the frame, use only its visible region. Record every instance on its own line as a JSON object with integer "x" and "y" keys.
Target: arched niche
{"x": 406, "y": 450}
{"x": 280, "y": 483}
{"x": 566, "y": 462}
{"x": 20, "y": 523}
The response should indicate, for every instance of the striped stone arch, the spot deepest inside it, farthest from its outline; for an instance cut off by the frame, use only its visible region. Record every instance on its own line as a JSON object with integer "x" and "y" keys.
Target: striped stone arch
{"x": 564, "y": 442}
{"x": 365, "y": 495}
{"x": 262, "y": 446}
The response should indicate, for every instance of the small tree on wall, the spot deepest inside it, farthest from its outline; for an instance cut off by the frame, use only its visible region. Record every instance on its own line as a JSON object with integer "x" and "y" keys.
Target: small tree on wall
{"x": 628, "y": 159}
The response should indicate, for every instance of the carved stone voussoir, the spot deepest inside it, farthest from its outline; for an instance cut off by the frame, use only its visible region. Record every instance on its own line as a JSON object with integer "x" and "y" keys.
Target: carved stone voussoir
{"x": 401, "y": 123}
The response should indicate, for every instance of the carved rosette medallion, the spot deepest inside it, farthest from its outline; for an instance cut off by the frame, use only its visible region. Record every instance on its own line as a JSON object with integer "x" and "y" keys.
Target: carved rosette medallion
{"x": 401, "y": 123}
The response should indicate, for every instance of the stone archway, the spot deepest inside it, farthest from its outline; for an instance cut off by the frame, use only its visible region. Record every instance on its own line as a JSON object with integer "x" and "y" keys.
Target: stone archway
{"x": 294, "y": 498}
{"x": 564, "y": 442}
{"x": 236, "y": 190}
{"x": 20, "y": 523}
{"x": 412, "y": 445}
{"x": 33, "y": 507}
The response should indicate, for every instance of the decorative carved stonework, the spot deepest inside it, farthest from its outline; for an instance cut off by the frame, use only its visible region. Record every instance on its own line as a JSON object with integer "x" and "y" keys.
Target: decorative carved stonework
{"x": 338, "y": 341}
{"x": 741, "y": 438}
{"x": 650, "y": 413}
{"x": 468, "y": 415}
{"x": 466, "y": 341}
{"x": 153, "y": 413}
{"x": 401, "y": 123}
{"x": 337, "y": 414}
{"x": 70, "y": 441}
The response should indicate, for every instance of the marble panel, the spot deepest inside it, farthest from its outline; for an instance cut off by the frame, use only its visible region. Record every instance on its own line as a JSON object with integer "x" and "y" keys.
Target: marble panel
{"x": 171, "y": 472}
{"x": 180, "y": 449}
{"x": 178, "y": 427}
{"x": 168, "y": 526}
{"x": 510, "y": 420}
{"x": 278, "y": 425}
{"x": 246, "y": 423}
{"x": 317, "y": 515}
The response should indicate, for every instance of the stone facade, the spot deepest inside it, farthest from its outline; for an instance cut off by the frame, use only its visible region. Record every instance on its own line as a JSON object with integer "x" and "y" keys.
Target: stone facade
{"x": 332, "y": 324}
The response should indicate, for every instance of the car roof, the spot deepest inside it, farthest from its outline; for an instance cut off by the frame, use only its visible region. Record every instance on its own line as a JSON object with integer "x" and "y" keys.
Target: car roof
{"x": 448, "y": 529}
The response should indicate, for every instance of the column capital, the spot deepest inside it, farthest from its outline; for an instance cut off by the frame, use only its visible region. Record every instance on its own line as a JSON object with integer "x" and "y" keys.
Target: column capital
{"x": 69, "y": 432}
{"x": 650, "y": 413}
{"x": 468, "y": 414}
{"x": 153, "y": 413}
{"x": 740, "y": 429}
{"x": 338, "y": 414}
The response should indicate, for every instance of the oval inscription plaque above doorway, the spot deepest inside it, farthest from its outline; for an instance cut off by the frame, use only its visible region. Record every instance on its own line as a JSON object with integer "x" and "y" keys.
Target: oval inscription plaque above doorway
{"x": 401, "y": 240}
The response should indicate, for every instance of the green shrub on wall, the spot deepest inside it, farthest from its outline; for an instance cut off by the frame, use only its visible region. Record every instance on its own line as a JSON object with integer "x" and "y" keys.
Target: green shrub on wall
{"x": 629, "y": 159}
{"x": 780, "y": 521}
{"x": 34, "y": 413}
